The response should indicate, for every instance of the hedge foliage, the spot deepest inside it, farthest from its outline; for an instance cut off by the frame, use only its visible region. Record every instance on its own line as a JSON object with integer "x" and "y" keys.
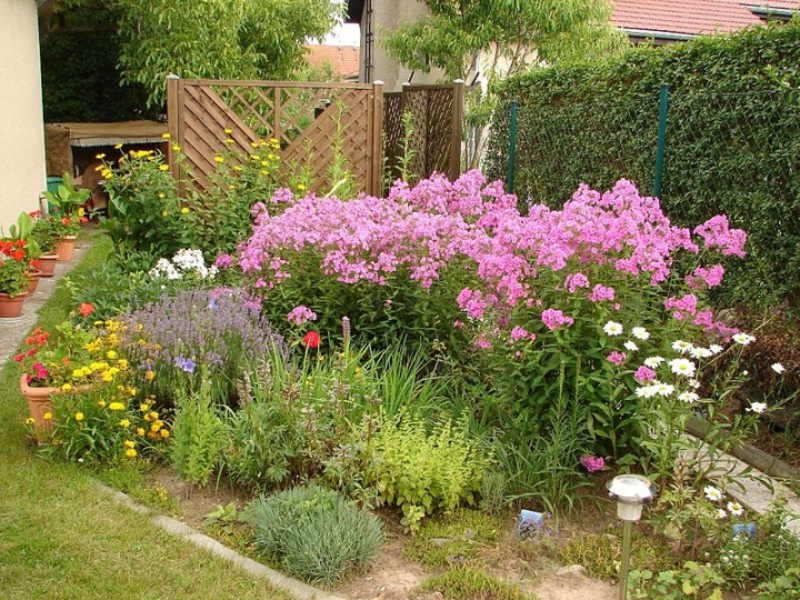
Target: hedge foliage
{"x": 733, "y": 141}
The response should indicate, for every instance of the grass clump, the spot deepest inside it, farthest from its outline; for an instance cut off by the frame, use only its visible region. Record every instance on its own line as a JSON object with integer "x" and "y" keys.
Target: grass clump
{"x": 454, "y": 536}
{"x": 466, "y": 583}
{"x": 315, "y": 533}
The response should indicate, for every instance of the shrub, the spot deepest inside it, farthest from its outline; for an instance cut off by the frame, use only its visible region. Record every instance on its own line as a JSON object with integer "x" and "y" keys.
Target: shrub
{"x": 732, "y": 127}
{"x": 421, "y": 472}
{"x": 168, "y": 340}
{"x": 315, "y": 533}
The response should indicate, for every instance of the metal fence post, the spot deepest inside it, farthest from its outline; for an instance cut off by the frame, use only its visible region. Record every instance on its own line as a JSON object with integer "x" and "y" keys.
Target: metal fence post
{"x": 662, "y": 140}
{"x": 512, "y": 148}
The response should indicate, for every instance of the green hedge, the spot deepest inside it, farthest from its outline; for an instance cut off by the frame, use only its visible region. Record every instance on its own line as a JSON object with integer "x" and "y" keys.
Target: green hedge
{"x": 733, "y": 141}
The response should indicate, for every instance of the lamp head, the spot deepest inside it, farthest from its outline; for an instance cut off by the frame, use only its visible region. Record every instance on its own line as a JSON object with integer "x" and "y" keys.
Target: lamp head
{"x": 630, "y": 493}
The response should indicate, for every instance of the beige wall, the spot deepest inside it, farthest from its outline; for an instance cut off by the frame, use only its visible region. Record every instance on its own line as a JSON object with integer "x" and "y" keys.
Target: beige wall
{"x": 22, "y": 166}
{"x": 387, "y": 15}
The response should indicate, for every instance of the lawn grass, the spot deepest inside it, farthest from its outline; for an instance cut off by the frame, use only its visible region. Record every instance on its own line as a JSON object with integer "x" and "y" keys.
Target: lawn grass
{"x": 63, "y": 538}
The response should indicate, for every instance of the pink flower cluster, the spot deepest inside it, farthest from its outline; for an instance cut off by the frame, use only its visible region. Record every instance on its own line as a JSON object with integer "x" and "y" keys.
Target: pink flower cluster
{"x": 417, "y": 234}
{"x": 301, "y": 314}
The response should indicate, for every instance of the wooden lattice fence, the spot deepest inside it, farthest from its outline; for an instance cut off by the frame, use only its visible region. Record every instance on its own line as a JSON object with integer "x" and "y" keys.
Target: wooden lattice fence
{"x": 308, "y": 119}
{"x": 436, "y": 118}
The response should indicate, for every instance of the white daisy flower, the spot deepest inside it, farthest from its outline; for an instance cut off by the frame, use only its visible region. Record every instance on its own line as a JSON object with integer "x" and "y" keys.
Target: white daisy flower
{"x": 688, "y": 397}
{"x": 653, "y": 361}
{"x": 664, "y": 389}
{"x": 757, "y": 407}
{"x": 735, "y": 509}
{"x": 721, "y": 514}
{"x": 694, "y": 384}
{"x": 700, "y": 352}
{"x": 715, "y": 348}
{"x": 681, "y": 346}
{"x": 612, "y": 328}
{"x": 743, "y": 338}
{"x": 712, "y": 493}
{"x": 646, "y": 391}
{"x": 778, "y": 368}
{"x": 630, "y": 346}
{"x": 640, "y": 333}
{"x": 682, "y": 366}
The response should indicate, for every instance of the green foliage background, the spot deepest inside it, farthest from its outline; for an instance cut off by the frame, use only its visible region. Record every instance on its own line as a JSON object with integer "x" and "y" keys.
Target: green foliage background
{"x": 732, "y": 141}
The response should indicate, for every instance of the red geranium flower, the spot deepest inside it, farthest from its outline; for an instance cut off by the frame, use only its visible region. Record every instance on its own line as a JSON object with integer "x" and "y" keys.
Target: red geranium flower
{"x": 311, "y": 339}
{"x": 85, "y": 309}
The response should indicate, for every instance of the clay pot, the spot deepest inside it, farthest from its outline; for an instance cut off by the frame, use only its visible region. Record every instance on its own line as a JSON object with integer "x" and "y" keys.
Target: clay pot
{"x": 47, "y": 264}
{"x": 33, "y": 280}
{"x": 11, "y": 308}
{"x": 65, "y": 247}
{"x": 39, "y": 404}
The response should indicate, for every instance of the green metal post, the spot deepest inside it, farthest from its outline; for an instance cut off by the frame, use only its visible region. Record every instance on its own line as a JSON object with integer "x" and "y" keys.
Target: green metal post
{"x": 626, "y": 557}
{"x": 512, "y": 148}
{"x": 662, "y": 139}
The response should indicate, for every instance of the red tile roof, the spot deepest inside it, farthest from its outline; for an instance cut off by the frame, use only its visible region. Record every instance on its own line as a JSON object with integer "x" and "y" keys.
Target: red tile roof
{"x": 344, "y": 59}
{"x": 691, "y": 17}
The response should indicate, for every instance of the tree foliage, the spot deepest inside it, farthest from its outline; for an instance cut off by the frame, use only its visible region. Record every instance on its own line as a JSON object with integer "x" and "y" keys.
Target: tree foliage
{"x": 214, "y": 39}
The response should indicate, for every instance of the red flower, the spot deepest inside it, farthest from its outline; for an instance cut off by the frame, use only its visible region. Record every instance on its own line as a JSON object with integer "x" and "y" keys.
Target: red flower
{"x": 18, "y": 255}
{"x": 65, "y": 221}
{"x": 85, "y": 309}
{"x": 311, "y": 339}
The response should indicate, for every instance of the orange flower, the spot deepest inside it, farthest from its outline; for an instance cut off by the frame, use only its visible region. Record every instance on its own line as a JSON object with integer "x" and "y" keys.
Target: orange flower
{"x": 85, "y": 309}
{"x": 65, "y": 221}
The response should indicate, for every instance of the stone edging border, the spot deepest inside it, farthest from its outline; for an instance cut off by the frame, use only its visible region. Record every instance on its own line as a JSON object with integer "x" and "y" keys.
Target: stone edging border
{"x": 295, "y": 588}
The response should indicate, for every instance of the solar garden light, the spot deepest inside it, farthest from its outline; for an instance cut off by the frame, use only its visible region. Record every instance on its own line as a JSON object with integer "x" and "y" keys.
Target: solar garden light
{"x": 630, "y": 493}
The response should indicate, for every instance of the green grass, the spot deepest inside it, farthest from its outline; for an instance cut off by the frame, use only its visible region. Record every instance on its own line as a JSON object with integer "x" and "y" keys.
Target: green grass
{"x": 63, "y": 538}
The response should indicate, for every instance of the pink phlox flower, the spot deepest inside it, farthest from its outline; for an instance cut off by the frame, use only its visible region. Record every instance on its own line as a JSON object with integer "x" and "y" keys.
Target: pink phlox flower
{"x": 482, "y": 343}
{"x": 702, "y": 278}
{"x": 601, "y": 292}
{"x": 644, "y": 373}
{"x": 554, "y": 319}
{"x": 617, "y": 357}
{"x": 576, "y": 281}
{"x": 301, "y": 314}
{"x": 716, "y": 233}
{"x": 518, "y": 333}
{"x": 593, "y": 463}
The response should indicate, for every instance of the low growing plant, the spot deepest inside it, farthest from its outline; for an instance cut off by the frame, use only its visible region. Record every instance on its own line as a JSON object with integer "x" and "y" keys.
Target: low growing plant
{"x": 467, "y": 583}
{"x": 315, "y": 533}
{"x": 692, "y": 581}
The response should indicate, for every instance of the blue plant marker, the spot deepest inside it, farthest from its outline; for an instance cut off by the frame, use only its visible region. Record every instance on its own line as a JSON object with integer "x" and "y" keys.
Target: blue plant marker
{"x": 746, "y": 529}
{"x": 530, "y": 522}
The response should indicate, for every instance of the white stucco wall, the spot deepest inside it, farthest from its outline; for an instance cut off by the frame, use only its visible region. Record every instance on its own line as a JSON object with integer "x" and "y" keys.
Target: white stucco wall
{"x": 386, "y": 16}
{"x": 22, "y": 163}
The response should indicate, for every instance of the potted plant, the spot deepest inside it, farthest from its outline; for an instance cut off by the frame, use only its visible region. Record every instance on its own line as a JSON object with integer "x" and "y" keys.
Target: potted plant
{"x": 67, "y": 214}
{"x": 13, "y": 278}
{"x": 45, "y": 236}
{"x": 21, "y": 234}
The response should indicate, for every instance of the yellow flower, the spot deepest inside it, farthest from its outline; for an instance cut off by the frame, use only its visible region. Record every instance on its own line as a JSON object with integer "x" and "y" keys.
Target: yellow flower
{"x": 156, "y": 426}
{"x": 66, "y": 387}
{"x": 254, "y": 144}
{"x": 164, "y": 213}
{"x": 132, "y": 391}
{"x": 130, "y": 444}
{"x": 144, "y": 407}
{"x": 124, "y": 423}
{"x": 176, "y": 148}
{"x": 301, "y": 187}
{"x": 163, "y": 167}
{"x": 100, "y": 156}
{"x": 237, "y": 168}
{"x": 149, "y": 376}
{"x": 79, "y": 416}
{"x": 165, "y": 136}
{"x": 164, "y": 433}
{"x": 47, "y": 416}
{"x": 153, "y": 415}
{"x": 219, "y": 159}
{"x": 139, "y": 431}
{"x": 162, "y": 195}
{"x": 116, "y": 406}
{"x": 130, "y": 453}
{"x": 101, "y": 403}
{"x": 30, "y": 421}
{"x": 108, "y": 377}
{"x": 255, "y": 157}
{"x": 229, "y": 142}
{"x": 118, "y": 147}
{"x": 123, "y": 364}
{"x": 228, "y": 130}
{"x": 184, "y": 211}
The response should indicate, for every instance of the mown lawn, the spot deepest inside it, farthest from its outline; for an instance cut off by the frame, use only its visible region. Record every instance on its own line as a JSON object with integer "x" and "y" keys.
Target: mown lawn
{"x": 63, "y": 538}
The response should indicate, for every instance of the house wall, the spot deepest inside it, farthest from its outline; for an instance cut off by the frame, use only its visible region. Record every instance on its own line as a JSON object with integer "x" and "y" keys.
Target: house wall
{"x": 386, "y": 16}
{"x": 22, "y": 165}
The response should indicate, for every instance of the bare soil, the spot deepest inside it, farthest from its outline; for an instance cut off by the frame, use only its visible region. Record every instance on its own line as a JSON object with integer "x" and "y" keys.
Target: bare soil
{"x": 392, "y": 576}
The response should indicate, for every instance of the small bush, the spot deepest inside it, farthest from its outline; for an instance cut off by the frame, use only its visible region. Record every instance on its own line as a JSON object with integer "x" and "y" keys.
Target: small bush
{"x": 421, "y": 472}
{"x": 315, "y": 533}
{"x": 468, "y": 584}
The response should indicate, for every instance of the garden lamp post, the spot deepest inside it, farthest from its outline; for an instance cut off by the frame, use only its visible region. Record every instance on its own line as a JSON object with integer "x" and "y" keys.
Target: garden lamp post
{"x": 630, "y": 492}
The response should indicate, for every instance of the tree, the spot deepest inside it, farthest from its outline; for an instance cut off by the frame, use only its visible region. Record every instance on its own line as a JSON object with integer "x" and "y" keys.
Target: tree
{"x": 213, "y": 39}
{"x": 498, "y": 38}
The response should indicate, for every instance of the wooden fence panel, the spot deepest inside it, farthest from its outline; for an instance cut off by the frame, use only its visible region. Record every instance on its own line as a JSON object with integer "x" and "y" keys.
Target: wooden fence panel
{"x": 311, "y": 121}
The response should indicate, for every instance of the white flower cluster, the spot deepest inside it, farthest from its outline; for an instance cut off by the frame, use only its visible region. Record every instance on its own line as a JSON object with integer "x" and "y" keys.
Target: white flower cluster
{"x": 186, "y": 262}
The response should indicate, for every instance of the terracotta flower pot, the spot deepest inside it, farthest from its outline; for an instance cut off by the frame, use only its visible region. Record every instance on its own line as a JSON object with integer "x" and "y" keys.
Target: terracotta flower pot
{"x": 47, "y": 264}
{"x": 40, "y": 403}
{"x": 33, "y": 280}
{"x": 65, "y": 247}
{"x": 11, "y": 308}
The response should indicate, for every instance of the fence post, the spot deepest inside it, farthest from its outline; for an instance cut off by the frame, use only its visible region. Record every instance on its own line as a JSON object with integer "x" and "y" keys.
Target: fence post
{"x": 512, "y": 148}
{"x": 375, "y": 153}
{"x": 662, "y": 139}
{"x": 455, "y": 131}
{"x": 174, "y": 125}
